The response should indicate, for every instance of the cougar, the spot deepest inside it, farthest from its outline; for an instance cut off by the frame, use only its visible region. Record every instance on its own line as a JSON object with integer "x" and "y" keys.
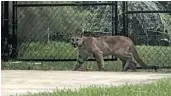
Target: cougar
{"x": 98, "y": 47}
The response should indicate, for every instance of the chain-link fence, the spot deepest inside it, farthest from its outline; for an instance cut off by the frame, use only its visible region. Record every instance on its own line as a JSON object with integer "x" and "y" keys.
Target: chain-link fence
{"x": 149, "y": 28}
{"x": 44, "y": 28}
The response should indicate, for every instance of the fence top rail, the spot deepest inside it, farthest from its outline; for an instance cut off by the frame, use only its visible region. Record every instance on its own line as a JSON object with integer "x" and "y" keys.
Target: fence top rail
{"x": 53, "y": 5}
{"x": 147, "y": 11}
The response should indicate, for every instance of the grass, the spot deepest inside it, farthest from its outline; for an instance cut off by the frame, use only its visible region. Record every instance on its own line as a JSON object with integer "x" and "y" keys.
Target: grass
{"x": 151, "y": 55}
{"x": 159, "y": 88}
{"x": 110, "y": 66}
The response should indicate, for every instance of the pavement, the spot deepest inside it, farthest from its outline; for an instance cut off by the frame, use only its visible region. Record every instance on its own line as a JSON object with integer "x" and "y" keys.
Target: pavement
{"x": 23, "y": 81}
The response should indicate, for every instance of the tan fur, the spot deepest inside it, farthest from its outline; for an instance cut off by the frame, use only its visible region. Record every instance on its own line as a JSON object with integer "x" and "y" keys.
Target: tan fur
{"x": 99, "y": 47}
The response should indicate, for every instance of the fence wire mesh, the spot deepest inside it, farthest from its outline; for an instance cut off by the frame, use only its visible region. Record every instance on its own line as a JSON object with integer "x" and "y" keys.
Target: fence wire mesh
{"x": 150, "y": 32}
{"x": 45, "y": 31}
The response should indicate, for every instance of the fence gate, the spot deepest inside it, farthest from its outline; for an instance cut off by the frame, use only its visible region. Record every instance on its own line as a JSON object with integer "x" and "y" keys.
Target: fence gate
{"x": 44, "y": 28}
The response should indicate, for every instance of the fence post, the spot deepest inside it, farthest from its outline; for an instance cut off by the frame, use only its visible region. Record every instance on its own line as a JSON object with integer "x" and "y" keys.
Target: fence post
{"x": 14, "y": 30}
{"x": 123, "y": 14}
{"x": 116, "y": 17}
{"x": 5, "y": 30}
{"x": 127, "y": 19}
{"x": 114, "y": 20}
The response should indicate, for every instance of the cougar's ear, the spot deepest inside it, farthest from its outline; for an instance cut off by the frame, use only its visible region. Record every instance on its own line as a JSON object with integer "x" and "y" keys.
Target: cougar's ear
{"x": 79, "y": 32}
{"x": 81, "y": 35}
{"x": 82, "y": 32}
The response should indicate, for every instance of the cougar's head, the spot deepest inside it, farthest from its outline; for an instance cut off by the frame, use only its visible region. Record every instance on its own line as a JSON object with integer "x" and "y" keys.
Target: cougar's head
{"x": 77, "y": 41}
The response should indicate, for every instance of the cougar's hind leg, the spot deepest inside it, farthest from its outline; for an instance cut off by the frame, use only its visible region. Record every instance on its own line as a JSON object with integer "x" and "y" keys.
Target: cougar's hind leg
{"x": 133, "y": 63}
{"x": 123, "y": 63}
{"x": 80, "y": 61}
{"x": 127, "y": 56}
{"x": 130, "y": 63}
{"x": 127, "y": 65}
{"x": 126, "y": 59}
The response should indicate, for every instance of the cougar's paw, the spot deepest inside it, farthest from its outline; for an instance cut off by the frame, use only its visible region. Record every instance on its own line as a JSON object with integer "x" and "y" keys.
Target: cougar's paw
{"x": 133, "y": 70}
{"x": 102, "y": 69}
{"x": 123, "y": 70}
{"x": 82, "y": 69}
{"x": 74, "y": 70}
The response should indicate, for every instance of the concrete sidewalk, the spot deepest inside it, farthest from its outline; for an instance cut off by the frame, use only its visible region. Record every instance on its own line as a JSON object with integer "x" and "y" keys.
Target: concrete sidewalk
{"x": 21, "y": 81}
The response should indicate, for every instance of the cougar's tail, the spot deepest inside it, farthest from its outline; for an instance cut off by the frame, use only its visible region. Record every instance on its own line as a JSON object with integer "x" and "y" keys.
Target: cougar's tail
{"x": 137, "y": 58}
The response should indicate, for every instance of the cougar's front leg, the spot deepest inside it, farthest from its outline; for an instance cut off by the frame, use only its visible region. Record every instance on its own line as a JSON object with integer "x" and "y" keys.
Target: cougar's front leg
{"x": 80, "y": 61}
{"x": 100, "y": 60}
